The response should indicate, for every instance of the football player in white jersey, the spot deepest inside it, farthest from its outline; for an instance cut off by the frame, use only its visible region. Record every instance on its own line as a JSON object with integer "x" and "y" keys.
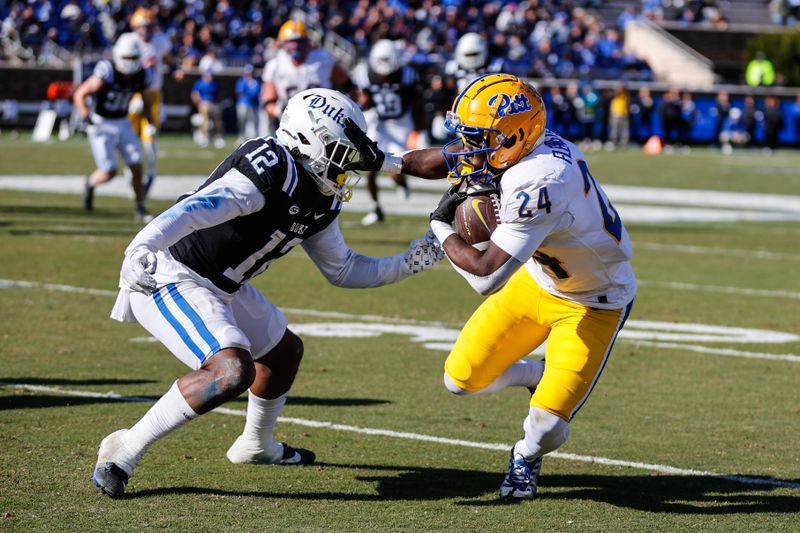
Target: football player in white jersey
{"x": 471, "y": 59}
{"x": 390, "y": 95}
{"x": 299, "y": 66}
{"x": 557, "y": 267}
{"x": 156, "y": 46}
{"x": 111, "y": 87}
{"x": 185, "y": 279}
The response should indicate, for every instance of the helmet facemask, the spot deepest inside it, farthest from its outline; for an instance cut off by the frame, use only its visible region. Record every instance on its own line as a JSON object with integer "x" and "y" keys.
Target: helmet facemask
{"x": 471, "y": 140}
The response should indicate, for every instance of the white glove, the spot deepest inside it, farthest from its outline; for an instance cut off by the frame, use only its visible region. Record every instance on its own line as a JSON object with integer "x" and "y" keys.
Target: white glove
{"x": 150, "y": 130}
{"x": 137, "y": 269}
{"x": 423, "y": 253}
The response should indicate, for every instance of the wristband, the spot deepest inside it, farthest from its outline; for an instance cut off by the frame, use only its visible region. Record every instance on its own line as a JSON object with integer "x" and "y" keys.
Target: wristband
{"x": 392, "y": 164}
{"x": 442, "y": 230}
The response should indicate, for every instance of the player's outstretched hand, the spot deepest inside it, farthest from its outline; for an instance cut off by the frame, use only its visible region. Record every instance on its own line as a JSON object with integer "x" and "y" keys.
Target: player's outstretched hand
{"x": 137, "y": 269}
{"x": 446, "y": 210}
{"x": 423, "y": 253}
{"x": 371, "y": 156}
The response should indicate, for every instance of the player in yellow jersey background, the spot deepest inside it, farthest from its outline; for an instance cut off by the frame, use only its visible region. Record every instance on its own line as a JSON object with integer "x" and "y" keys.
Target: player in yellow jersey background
{"x": 156, "y": 47}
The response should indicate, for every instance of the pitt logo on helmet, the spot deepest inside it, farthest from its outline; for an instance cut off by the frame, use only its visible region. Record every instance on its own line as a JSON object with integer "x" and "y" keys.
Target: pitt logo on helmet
{"x": 507, "y": 106}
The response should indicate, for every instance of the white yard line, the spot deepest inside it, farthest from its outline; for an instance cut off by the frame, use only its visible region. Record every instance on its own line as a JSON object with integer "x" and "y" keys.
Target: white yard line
{"x": 662, "y": 469}
{"x": 709, "y": 250}
{"x": 635, "y": 204}
{"x": 718, "y": 288}
{"x": 638, "y": 332}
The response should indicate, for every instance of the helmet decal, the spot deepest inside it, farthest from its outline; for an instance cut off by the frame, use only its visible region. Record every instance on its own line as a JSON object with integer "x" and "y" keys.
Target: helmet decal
{"x": 509, "y": 106}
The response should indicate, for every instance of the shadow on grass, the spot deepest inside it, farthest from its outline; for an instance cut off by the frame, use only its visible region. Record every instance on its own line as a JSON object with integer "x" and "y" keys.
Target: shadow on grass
{"x": 64, "y": 382}
{"x": 29, "y": 401}
{"x": 689, "y": 495}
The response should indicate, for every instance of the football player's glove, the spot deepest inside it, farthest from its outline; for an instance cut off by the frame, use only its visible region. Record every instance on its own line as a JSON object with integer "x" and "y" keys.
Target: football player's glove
{"x": 446, "y": 210}
{"x": 423, "y": 253}
{"x": 371, "y": 156}
{"x": 84, "y": 123}
{"x": 137, "y": 269}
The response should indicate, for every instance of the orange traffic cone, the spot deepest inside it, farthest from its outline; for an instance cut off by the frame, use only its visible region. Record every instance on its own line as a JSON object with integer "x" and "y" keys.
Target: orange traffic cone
{"x": 653, "y": 146}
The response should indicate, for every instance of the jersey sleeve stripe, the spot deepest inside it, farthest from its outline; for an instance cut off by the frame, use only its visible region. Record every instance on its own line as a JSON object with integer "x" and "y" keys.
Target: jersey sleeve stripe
{"x": 290, "y": 183}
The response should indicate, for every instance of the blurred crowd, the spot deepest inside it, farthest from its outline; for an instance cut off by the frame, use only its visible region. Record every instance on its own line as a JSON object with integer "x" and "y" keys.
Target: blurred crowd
{"x": 540, "y": 38}
{"x": 611, "y": 118}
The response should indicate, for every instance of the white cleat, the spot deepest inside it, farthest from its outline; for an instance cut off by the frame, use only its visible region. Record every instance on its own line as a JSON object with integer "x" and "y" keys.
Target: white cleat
{"x": 112, "y": 470}
{"x": 247, "y": 452}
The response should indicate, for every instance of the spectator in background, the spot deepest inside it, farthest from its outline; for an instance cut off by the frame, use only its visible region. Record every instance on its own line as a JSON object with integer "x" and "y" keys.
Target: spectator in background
{"x": 210, "y": 62}
{"x": 760, "y": 71}
{"x": 671, "y": 116}
{"x": 248, "y": 91}
{"x": 796, "y": 119}
{"x": 719, "y": 112}
{"x": 733, "y": 131}
{"x": 642, "y": 115}
{"x": 751, "y": 116}
{"x": 437, "y": 99}
{"x": 773, "y": 121}
{"x": 205, "y": 95}
{"x": 559, "y": 111}
{"x": 619, "y": 117}
{"x": 587, "y": 111}
{"x": 688, "y": 117}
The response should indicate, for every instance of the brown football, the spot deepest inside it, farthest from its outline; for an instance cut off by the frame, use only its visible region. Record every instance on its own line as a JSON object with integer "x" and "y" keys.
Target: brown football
{"x": 476, "y": 219}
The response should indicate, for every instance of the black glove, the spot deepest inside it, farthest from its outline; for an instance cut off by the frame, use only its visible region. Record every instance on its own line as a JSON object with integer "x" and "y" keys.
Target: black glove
{"x": 446, "y": 210}
{"x": 371, "y": 156}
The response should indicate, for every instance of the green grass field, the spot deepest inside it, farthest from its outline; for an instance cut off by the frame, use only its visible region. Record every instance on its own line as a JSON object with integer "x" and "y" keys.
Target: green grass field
{"x": 693, "y": 426}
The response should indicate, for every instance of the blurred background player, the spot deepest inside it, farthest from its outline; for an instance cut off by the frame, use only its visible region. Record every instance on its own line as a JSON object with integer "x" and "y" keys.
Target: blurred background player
{"x": 297, "y": 67}
{"x": 111, "y": 86}
{"x": 390, "y": 96}
{"x": 471, "y": 60}
{"x": 156, "y": 46}
{"x": 248, "y": 91}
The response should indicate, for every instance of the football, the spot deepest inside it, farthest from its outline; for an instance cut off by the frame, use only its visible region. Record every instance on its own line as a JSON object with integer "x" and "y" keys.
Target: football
{"x": 477, "y": 217}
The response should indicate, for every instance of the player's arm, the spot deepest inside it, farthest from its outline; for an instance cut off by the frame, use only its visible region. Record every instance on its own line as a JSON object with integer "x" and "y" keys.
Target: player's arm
{"x": 90, "y": 86}
{"x": 343, "y": 267}
{"x": 512, "y": 243}
{"x": 231, "y": 196}
{"x": 427, "y": 163}
{"x": 147, "y": 101}
{"x": 269, "y": 95}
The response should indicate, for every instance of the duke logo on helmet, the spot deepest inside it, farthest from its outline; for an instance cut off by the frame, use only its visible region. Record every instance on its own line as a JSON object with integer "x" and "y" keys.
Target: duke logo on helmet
{"x": 320, "y": 102}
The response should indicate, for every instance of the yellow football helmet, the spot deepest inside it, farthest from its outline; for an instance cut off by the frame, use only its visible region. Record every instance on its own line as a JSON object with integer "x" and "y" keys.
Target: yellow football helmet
{"x": 497, "y": 115}
{"x": 141, "y": 17}
{"x": 292, "y": 30}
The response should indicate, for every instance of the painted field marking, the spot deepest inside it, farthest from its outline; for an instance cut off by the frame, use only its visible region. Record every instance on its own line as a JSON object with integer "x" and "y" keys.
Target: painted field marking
{"x": 635, "y": 203}
{"x": 718, "y": 288}
{"x": 441, "y": 336}
{"x": 710, "y": 250}
{"x": 662, "y": 469}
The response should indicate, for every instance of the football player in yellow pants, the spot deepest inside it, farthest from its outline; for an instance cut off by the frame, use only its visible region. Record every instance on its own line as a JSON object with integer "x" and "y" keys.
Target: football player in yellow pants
{"x": 557, "y": 266}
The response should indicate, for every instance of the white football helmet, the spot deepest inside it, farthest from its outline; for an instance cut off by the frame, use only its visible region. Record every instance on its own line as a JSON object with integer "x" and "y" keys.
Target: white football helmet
{"x": 312, "y": 129}
{"x": 127, "y": 53}
{"x": 384, "y": 57}
{"x": 471, "y": 51}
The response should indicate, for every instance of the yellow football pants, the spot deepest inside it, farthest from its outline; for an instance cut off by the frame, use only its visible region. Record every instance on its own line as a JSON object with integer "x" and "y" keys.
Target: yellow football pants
{"x": 140, "y": 123}
{"x": 514, "y": 321}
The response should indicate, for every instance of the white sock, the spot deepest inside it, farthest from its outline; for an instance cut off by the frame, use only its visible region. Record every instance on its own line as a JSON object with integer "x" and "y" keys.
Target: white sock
{"x": 262, "y": 414}
{"x": 523, "y": 373}
{"x": 168, "y": 414}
